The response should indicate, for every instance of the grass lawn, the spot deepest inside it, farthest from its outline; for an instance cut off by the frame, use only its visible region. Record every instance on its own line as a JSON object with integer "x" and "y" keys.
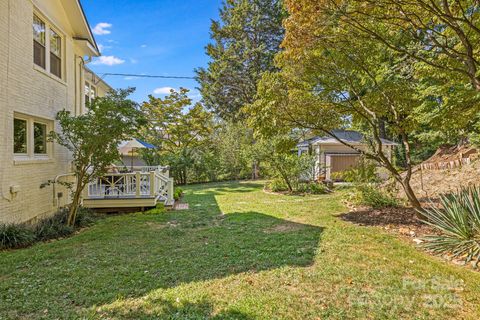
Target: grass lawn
{"x": 237, "y": 253}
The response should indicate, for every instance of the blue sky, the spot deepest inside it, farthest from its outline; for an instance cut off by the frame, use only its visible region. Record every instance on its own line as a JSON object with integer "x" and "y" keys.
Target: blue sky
{"x": 156, "y": 37}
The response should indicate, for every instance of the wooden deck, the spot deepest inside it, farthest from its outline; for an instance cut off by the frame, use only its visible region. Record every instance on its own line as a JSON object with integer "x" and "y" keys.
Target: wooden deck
{"x": 142, "y": 188}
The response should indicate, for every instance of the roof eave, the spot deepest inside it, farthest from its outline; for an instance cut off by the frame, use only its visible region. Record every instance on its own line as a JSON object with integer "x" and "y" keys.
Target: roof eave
{"x": 80, "y": 26}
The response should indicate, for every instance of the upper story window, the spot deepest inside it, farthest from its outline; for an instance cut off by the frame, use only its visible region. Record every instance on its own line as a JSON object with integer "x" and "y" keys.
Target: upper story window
{"x": 46, "y": 39}
{"x": 90, "y": 92}
{"x": 39, "y": 43}
{"x": 55, "y": 54}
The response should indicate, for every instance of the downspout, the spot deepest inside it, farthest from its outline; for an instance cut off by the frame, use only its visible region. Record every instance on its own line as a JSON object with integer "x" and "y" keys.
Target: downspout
{"x": 55, "y": 181}
{"x": 78, "y": 111}
{"x": 7, "y": 98}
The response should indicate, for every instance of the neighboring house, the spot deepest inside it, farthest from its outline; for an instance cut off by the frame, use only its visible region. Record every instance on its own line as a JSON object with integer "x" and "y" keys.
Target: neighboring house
{"x": 94, "y": 86}
{"x": 45, "y": 46}
{"x": 332, "y": 156}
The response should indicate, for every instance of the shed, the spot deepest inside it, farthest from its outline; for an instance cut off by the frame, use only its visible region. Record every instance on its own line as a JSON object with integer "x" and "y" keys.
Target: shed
{"x": 333, "y": 156}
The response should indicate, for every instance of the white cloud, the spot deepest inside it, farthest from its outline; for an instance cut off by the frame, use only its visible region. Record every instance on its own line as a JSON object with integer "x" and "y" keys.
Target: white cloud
{"x": 163, "y": 90}
{"x": 143, "y": 46}
{"x": 102, "y": 28}
{"x": 102, "y": 47}
{"x": 133, "y": 61}
{"x": 108, "y": 60}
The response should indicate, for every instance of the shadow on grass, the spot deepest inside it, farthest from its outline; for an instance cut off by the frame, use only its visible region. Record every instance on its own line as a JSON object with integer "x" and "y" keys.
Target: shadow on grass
{"x": 132, "y": 256}
{"x": 165, "y": 309}
{"x": 227, "y": 187}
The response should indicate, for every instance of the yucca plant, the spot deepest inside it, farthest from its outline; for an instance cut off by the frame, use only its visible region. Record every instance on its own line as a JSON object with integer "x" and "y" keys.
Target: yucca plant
{"x": 458, "y": 223}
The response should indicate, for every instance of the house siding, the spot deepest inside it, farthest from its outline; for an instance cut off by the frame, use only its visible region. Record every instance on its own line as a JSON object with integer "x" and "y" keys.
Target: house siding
{"x": 24, "y": 89}
{"x": 322, "y": 150}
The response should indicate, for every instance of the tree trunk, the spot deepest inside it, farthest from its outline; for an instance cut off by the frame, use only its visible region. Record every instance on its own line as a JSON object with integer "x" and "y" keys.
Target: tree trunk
{"x": 72, "y": 214}
{"x": 285, "y": 178}
{"x": 382, "y": 128}
{"x": 412, "y": 198}
{"x": 255, "y": 170}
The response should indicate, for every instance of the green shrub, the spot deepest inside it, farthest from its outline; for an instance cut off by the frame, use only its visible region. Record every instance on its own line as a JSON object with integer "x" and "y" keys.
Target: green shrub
{"x": 458, "y": 223}
{"x": 21, "y": 235}
{"x": 177, "y": 193}
{"x": 277, "y": 185}
{"x": 85, "y": 217}
{"x": 15, "y": 236}
{"x": 159, "y": 208}
{"x": 53, "y": 227}
{"x": 312, "y": 188}
{"x": 370, "y": 195}
{"x": 364, "y": 172}
{"x": 56, "y": 226}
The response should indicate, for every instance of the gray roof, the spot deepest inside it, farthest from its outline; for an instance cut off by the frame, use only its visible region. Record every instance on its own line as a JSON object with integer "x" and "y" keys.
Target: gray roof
{"x": 347, "y": 136}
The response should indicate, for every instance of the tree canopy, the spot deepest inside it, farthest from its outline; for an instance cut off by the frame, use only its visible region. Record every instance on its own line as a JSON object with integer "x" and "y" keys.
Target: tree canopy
{"x": 245, "y": 41}
{"x": 93, "y": 137}
{"x": 177, "y": 129}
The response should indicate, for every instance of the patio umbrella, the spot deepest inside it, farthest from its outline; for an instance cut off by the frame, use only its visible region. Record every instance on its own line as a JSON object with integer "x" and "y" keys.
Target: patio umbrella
{"x": 129, "y": 148}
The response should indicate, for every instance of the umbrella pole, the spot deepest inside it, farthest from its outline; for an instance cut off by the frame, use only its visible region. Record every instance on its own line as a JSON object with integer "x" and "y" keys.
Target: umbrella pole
{"x": 131, "y": 161}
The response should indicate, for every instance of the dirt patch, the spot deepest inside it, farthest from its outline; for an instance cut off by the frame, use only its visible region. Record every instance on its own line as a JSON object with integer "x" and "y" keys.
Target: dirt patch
{"x": 450, "y": 154}
{"x": 156, "y": 226}
{"x": 433, "y": 178}
{"x": 180, "y": 206}
{"x": 399, "y": 220}
{"x": 284, "y": 227}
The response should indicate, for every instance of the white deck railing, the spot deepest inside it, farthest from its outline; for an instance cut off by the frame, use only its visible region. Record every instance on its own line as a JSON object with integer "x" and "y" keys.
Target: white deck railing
{"x": 145, "y": 182}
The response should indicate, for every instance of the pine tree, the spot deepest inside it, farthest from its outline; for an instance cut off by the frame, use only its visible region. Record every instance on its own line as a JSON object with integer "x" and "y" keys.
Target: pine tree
{"x": 245, "y": 41}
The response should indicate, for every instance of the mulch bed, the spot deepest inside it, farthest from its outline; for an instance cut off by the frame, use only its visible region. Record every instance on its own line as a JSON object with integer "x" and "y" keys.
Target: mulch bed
{"x": 401, "y": 221}
{"x": 398, "y": 220}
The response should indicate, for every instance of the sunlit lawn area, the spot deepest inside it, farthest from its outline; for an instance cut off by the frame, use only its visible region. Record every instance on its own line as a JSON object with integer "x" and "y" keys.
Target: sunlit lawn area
{"x": 237, "y": 253}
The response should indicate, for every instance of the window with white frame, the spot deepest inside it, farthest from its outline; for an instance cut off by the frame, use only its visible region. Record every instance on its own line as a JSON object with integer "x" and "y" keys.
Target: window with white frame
{"x": 55, "y": 54}
{"x": 39, "y": 43}
{"x": 47, "y": 40}
{"x": 30, "y": 137}
{"x": 90, "y": 92}
{"x": 20, "y": 136}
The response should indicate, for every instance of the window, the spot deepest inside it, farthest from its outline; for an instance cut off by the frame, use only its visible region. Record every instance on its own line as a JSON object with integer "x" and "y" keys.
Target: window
{"x": 19, "y": 136}
{"x": 39, "y": 42}
{"x": 93, "y": 92}
{"x": 87, "y": 93}
{"x": 47, "y": 47}
{"x": 55, "y": 54}
{"x": 30, "y": 137}
{"x": 40, "y": 138}
{"x": 90, "y": 93}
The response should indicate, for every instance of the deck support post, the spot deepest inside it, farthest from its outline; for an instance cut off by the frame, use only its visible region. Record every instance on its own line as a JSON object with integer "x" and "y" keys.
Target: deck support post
{"x": 152, "y": 184}
{"x": 170, "y": 191}
{"x": 138, "y": 183}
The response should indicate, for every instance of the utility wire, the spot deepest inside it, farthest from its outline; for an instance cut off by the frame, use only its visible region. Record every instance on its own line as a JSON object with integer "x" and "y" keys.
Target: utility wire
{"x": 103, "y": 75}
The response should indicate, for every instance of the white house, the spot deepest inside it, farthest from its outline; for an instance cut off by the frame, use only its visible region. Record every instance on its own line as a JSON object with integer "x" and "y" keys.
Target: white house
{"x": 333, "y": 156}
{"x": 45, "y": 47}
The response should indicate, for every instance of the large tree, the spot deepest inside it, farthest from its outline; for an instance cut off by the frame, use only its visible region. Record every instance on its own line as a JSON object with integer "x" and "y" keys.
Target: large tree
{"x": 439, "y": 37}
{"x": 178, "y": 129}
{"x": 331, "y": 78}
{"x": 445, "y": 33}
{"x": 245, "y": 41}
